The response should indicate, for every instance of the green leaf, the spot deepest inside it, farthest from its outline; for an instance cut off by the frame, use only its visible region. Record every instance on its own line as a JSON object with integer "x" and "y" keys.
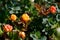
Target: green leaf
{"x": 43, "y": 38}
{"x": 38, "y": 34}
{"x": 33, "y": 36}
{"x": 1, "y": 32}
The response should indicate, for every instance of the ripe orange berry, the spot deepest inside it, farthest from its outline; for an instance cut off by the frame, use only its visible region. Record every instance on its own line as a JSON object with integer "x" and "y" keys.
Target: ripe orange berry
{"x": 25, "y": 17}
{"x": 53, "y": 9}
{"x": 13, "y": 17}
{"x": 22, "y": 35}
{"x": 7, "y": 28}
